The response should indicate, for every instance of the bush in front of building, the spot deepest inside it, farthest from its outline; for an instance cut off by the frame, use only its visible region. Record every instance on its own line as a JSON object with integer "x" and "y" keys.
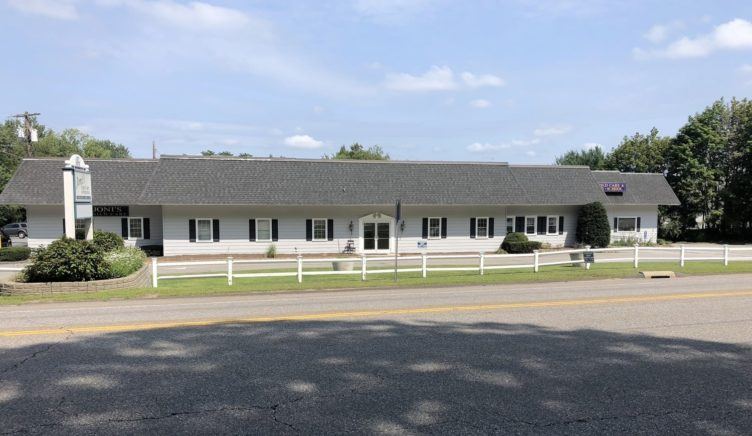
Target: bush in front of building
{"x": 515, "y": 243}
{"x": 271, "y": 251}
{"x": 107, "y": 241}
{"x": 125, "y": 261}
{"x": 592, "y": 226}
{"x": 14, "y": 254}
{"x": 67, "y": 260}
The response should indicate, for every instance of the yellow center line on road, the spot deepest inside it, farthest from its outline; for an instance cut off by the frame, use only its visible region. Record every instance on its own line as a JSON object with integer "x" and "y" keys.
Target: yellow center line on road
{"x": 371, "y": 313}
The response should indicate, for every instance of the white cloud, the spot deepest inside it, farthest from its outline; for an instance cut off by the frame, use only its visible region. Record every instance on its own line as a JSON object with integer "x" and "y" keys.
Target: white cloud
{"x": 556, "y": 130}
{"x": 746, "y": 69}
{"x": 531, "y": 153}
{"x": 480, "y": 103}
{"x": 435, "y": 79}
{"x": 192, "y": 15}
{"x": 303, "y": 141}
{"x": 660, "y": 32}
{"x": 480, "y": 147}
{"x": 59, "y": 9}
{"x": 439, "y": 78}
{"x": 733, "y": 35}
{"x": 476, "y": 81}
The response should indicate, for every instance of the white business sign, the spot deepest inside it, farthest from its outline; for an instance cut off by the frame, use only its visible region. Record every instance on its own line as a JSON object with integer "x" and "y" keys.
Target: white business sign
{"x": 81, "y": 187}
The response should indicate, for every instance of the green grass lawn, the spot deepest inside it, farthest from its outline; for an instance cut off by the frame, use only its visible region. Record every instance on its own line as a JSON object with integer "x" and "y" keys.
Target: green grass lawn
{"x": 218, "y": 286}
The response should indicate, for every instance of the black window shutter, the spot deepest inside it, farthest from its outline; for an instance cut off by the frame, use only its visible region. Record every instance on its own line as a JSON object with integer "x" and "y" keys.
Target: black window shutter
{"x": 275, "y": 230}
{"x": 309, "y": 230}
{"x": 472, "y": 227}
{"x": 490, "y": 227}
{"x": 519, "y": 224}
{"x": 615, "y": 223}
{"x": 561, "y": 225}
{"x": 124, "y": 228}
{"x": 638, "y": 224}
{"x": 215, "y": 225}
{"x": 63, "y": 226}
{"x": 425, "y": 228}
{"x": 192, "y": 230}
{"x": 147, "y": 229}
{"x": 443, "y": 228}
{"x": 542, "y": 223}
{"x": 251, "y": 229}
{"x": 330, "y": 229}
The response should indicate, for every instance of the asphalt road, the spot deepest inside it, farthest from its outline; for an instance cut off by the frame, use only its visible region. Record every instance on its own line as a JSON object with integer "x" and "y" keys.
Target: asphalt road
{"x": 617, "y": 356}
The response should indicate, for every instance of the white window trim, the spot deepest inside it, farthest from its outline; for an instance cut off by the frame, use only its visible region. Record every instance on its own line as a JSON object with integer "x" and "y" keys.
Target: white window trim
{"x": 506, "y": 224}
{"x": 535, "y": 225}
{"x": 270, "y": 230}
{"x": 477, "y": 219}
{"x": 556, "y": 228}
{"x": 211, "y": 230}
{"x": 130, "y": 238}
{"x": 313, "y": 229}
{"x": 619, "y": 218}
{"x": 429, "y": 227}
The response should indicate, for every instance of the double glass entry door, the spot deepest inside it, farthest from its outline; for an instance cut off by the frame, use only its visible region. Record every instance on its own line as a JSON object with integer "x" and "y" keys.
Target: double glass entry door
{"x": 376, "y": 236}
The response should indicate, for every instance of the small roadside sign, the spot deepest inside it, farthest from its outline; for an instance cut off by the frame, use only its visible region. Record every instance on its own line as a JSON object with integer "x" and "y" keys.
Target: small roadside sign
{"x": 589, "y": 257}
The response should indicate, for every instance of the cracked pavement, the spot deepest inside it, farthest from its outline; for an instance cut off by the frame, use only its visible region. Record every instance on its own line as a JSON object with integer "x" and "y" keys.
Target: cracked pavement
{"x": 674, "y": 367}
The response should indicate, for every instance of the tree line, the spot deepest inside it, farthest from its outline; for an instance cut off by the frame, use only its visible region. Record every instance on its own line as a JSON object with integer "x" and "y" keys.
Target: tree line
{"x": 708, "y": 163}
{"x": 49, "y": 144}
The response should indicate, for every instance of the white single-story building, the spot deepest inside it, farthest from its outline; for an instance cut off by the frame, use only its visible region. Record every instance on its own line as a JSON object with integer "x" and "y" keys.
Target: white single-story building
{"x": 198, "y": 205}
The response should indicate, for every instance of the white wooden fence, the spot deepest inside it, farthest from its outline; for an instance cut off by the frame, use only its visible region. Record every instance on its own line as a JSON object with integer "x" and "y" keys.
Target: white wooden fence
{"x": 480, "y": 262}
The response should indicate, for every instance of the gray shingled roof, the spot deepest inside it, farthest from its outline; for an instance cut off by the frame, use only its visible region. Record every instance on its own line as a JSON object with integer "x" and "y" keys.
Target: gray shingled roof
{"x": 642, "y": 188}
{"x": 208, "y": 181}
{"x": 40, "y": 181}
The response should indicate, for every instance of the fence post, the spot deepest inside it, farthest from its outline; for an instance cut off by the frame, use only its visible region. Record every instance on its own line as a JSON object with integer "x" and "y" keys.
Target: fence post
{"x": 587, "y": 265}
{"x": 725, "y": 254}
{"x": 363, "y": 267}
{"x": 535, "y": 260}
{"x": 681, "y": 256}
{"x": 424, "y": 264}
{"x": 636, "y": 255}
{"x": 154, "y": 276}
{"x": 482, "y": 262}
{"x": 300, "y": 268}
{"x": 229, "y": 271}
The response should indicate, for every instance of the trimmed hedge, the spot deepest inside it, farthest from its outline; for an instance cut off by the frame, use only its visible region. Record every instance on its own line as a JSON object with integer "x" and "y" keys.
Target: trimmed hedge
{"x": 67, "y": 260}
{"x": 14, "y": 254}
{"x": 593, "y": 228}
{"x": 107, "y": 241}
{"x": 515, "y": 243}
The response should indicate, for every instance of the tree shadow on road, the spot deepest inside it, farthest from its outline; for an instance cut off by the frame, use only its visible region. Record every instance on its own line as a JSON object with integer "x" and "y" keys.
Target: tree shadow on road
{"x": 376, "y": 377}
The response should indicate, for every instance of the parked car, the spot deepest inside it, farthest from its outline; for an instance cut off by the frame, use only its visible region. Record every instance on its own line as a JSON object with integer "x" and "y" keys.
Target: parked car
{"x": 19, "y": 230}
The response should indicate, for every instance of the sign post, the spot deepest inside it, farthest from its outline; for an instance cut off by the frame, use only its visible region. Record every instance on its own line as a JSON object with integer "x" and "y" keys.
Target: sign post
{"x": 77, "y": 199}
{"x": 397, "y": 219}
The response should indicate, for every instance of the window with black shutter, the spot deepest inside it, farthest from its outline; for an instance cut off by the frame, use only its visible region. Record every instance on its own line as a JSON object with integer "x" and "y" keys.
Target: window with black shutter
{"x": 541, "y": 225}
{"x": 251, "y": 229}
{"x": 425, "y": 228}
{"x": 561, "y": 225}
{"x": 275, "y": 230}
{"x": 519, "y": 224}
{"x": 472, "y": 227}
{"x": 192, "y": 230}
{"x": 490, "y": 227}
{"x": 215, "y": 230}
{"x": 443, "y": 228}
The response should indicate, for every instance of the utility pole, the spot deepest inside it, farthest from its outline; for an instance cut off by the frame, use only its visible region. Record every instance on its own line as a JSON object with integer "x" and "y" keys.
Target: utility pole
{"x": 153, "y": 150}
{"x": 28, "y": 130}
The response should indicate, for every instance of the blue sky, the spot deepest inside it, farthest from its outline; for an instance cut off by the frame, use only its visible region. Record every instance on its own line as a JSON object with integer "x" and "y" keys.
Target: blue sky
{"x": 517, "y": 80}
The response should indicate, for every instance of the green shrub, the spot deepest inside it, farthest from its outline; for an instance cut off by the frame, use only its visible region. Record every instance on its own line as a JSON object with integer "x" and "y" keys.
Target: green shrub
{"x": 125, "y": 261}
{"x": 107, "y": 241}
{"x": 271, "y": 252}
{"x": 628, "y": 241}
{"x": 592, "y": 226}
{"x": 67, "y": 260}
{"x": 14, "y": 254}
{"x": 515, "y": 243}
